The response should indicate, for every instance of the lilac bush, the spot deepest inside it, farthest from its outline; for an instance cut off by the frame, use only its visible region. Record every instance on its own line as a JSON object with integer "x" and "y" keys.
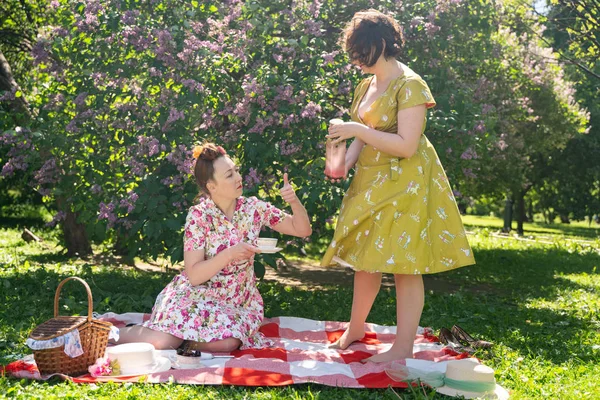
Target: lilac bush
{"x": 122, "y": 90}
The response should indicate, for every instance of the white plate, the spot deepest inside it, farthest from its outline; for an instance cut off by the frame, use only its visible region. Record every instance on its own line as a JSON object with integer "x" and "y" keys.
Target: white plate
{"x": 270, "y": 250}
{"x": 162, "y": 364}
{"x": 176, "y": 365}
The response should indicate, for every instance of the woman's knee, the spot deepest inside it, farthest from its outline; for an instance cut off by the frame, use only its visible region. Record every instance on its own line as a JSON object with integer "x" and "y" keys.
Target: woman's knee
{"x": 226, "y": 345}
{"x": 166, "y": 343}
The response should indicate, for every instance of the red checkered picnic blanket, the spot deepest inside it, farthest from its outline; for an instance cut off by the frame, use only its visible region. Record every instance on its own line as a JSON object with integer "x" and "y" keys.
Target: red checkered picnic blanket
{"x": 300, "y": 355}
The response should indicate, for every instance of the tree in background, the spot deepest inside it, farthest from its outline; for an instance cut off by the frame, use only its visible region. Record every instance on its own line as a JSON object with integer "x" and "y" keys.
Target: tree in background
{"x": 121, "y": 90}
{"x": 574, "y": 31}
{"x": 571, "y": 177}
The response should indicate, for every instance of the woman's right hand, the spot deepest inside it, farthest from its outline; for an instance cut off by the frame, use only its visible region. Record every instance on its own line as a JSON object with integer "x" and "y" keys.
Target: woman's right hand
{"x": 242, "y": 251}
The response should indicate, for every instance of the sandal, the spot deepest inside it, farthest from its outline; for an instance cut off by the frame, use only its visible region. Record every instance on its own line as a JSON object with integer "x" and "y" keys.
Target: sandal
{"x": 464, "y": 337}
{"x": 447, "y": 338}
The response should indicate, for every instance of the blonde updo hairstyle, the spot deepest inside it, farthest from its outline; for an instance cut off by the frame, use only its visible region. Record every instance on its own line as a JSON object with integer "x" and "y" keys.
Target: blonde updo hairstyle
{"x": 204, "y": 170}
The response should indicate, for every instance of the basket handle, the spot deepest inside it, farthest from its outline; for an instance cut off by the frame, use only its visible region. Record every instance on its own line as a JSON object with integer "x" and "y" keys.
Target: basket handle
{"x": 89, "y": 295}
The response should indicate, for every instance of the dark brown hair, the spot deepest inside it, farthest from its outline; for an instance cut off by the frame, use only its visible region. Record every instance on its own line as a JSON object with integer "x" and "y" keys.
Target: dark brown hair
{"x": 364, "y": 37}
{"x": 204, "y": 169}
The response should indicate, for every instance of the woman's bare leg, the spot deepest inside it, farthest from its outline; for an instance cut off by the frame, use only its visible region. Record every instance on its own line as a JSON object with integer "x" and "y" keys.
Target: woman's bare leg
{"x": 220, "y": 346}
{"x": 366, "y": 287}
{"x": 410, "y": 299}
{"x": 138, "y": 333}
{"x": 166, "y": 341}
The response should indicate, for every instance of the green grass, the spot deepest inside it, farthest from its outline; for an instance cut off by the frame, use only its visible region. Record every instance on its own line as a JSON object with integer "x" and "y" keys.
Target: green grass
{"x": 538, "y": 302}
{"x": 577, "y": 230}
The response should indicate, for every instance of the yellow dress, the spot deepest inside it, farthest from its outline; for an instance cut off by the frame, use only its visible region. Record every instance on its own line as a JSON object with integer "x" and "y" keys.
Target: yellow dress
{"x": 399, "y": 214}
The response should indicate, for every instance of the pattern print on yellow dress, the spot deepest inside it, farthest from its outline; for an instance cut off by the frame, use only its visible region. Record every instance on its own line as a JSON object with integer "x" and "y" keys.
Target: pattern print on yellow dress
{"x": 399, "y": 214}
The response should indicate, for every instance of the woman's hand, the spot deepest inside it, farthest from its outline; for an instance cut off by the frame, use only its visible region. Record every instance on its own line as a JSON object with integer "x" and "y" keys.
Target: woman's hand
{"x": 287, "y": 192}
{"x": 345, "y": 131}
{"x": 242, "y": 251}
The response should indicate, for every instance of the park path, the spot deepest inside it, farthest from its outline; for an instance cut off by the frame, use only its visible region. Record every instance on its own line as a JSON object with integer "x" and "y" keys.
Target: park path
{"x": 310, "y": 275}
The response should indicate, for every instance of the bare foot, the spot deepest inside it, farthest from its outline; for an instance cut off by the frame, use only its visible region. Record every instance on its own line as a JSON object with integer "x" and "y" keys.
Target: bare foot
{"x": 390, "y": 355}
{"x": 346, "y": 340}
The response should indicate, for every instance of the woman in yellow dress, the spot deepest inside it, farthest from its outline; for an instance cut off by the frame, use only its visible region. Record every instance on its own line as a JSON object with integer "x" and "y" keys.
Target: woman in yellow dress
{"x": 399, "y": 215}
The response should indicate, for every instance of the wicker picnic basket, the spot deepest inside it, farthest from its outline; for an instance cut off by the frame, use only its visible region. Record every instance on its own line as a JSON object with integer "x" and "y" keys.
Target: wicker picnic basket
{"x": 92, "y": 332}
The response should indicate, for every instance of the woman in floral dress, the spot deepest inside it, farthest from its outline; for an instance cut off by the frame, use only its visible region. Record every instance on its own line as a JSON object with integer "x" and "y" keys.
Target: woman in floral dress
{"x": 399, "y": 215}
{"x": 215, "y": 301}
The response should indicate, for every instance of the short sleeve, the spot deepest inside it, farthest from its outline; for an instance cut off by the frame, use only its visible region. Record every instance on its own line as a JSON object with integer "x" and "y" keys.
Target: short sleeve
{"x": 194, "y": 234}
{"x": 414, "y": 92}
{"x": 269, "y": 214}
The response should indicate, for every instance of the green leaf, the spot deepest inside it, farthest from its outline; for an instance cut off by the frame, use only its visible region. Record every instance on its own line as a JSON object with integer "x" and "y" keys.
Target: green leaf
{"x": 173, "y": 224}
{"x": 259, "y": 269}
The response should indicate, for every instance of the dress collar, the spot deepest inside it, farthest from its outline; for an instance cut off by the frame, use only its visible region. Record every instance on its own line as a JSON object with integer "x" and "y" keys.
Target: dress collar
{"x": 210, "y": 203}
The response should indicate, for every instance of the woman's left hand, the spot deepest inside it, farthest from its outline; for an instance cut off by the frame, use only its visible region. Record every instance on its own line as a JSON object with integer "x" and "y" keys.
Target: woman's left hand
{"x": 287, "y": 192}
{"x": 345, "y": 131}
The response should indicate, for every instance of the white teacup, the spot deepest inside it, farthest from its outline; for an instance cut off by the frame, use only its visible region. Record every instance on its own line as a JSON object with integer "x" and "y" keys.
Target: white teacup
{"x": 267, "y": 243}
{"x": 335, "y": 121}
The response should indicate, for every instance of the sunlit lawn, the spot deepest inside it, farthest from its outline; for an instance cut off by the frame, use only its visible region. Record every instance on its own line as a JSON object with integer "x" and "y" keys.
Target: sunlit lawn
{"x": 538, "y": 302}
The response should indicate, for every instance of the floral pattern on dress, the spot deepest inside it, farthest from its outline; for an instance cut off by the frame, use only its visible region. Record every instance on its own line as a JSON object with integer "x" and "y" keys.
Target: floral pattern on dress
{"x": 229, "y": 304}
{"x": 399, "y": 215}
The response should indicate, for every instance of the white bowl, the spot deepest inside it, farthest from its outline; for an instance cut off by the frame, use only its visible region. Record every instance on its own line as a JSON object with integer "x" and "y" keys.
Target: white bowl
{"x": 185, "y": 360}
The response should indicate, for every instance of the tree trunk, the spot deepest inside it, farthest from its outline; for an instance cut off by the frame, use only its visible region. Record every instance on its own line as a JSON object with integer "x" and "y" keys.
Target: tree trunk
{"x": 18, "y": 107}
{"x": 462, "y": 207}
{"x": 508, "y": 206}
{"x": 75, "y": 235}
{"x": 564, "y": 219}
{"x": 520, "y": 212}
{"x": 122, "y": 250}
{"x": 529, "y": 211}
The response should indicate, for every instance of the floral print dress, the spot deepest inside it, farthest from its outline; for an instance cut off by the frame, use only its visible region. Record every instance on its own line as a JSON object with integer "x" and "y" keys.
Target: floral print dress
{"x": 229, "y": 304}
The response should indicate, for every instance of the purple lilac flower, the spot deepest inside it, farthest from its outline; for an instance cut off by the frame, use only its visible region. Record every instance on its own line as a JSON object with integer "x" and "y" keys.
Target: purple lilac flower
{"x": 15, "y": 163}
{"x": 487, "y": 108}
{"x": 106, "y": 211}
{"x": 313, "y": 28}
{"x": 315, "y": 8}
{"x": 416, "y": 21}
{"x": 290, "y": 119}
{"x": 431, "y": 29}
{"x": 252, "y": 179}
{"x": 129, "y": 17}
{"x": 468, "y": 172}
{"x": 48, "y": 174}
{"x": 59, "y": 216}
{"x": 41, "y": 52}
{"x": 311, "y": 110}
{"x": 260, "y": 126}
{"x": 480, "y": 126}
{"x": 96, "y": 189}
{"x": 288, "y": 149}
{"x": 129, "y": 202}
{"x": 80, "y": 99}
{"x": 9, "y": 95}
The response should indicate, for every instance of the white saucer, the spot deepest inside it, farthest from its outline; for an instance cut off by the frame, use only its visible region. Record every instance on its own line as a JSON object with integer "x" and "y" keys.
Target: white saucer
{"x": 162, "y": 364}
{"x": 270, "y": 250}
{"x": 176, "y": 365}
